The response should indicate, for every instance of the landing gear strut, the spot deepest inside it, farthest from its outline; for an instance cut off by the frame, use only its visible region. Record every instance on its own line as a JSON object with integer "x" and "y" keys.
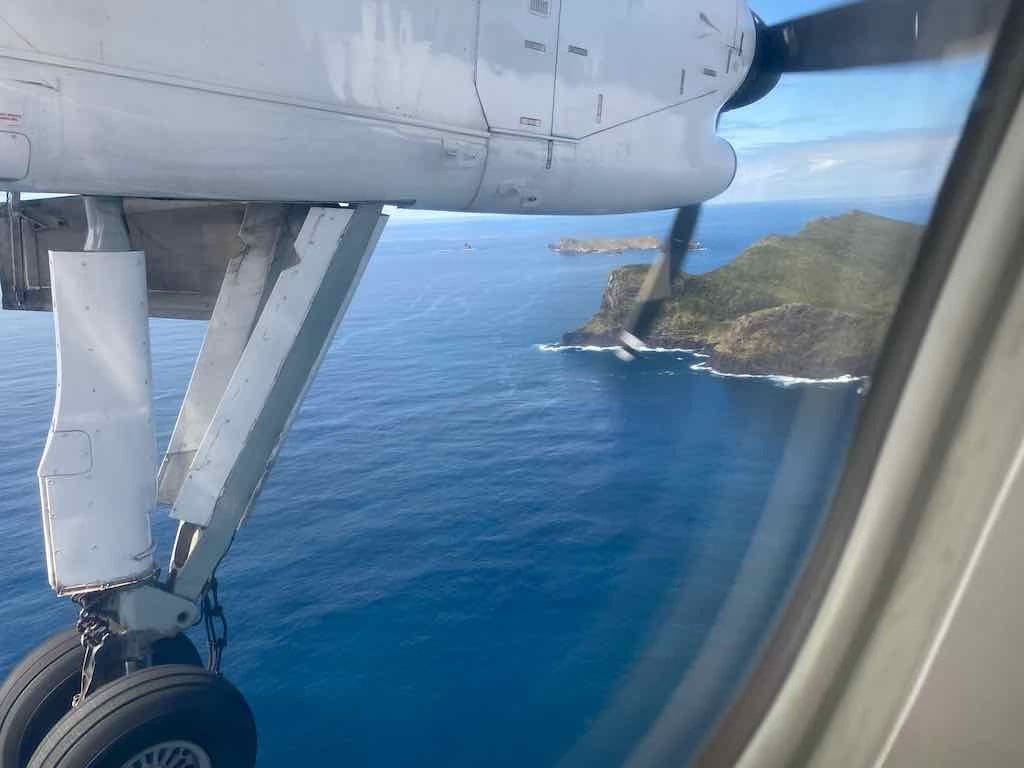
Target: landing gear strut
{"x": 142, "y": 698}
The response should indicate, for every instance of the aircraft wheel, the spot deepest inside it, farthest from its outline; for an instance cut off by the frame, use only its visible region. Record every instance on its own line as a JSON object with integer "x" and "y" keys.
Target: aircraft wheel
{"x": 160, "y": 717}
{"x": 38, "y": 691}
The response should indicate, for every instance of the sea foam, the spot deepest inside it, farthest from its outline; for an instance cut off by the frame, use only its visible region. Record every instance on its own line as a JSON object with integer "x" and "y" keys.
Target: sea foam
{"x": 775, "y": 378}
{"x": 702, "y": 367}
{"x": 616, "y": 348}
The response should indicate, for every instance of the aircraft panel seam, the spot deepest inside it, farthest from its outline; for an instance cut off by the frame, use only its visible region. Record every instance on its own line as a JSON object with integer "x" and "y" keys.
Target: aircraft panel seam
{"x": 641, "y": 117}
{"x": 232, "y": 92}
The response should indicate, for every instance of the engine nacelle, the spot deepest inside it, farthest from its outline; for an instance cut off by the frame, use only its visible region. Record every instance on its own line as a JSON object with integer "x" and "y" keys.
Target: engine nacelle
{"x": 527, "y": 107}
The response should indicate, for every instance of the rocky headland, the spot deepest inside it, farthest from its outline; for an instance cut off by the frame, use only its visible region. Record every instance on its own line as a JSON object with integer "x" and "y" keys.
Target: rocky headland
{"x": 813, "y": 305}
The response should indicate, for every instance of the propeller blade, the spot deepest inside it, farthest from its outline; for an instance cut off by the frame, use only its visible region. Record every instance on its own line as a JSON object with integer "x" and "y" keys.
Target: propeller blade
{"x": 657, "y": 285}
{"x": 876, "y": 32}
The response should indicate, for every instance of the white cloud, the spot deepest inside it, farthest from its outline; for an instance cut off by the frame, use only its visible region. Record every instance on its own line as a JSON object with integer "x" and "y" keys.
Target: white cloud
{"x": 856, "y": 166}
{"x": 819, "y": 164}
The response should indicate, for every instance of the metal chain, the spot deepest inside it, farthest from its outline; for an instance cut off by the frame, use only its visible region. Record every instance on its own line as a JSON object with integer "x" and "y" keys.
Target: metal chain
{"x": 93, "y": 630}
{"x": 216, "y": 625}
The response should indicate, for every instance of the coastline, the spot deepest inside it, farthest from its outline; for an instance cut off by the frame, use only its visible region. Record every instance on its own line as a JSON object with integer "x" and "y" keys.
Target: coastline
{"x": 573, "y": 246}
{"x": 814, "y": 306}
{"x": 701, "y": 365}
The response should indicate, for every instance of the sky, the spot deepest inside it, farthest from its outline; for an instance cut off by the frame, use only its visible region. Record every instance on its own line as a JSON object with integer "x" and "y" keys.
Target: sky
{"x": 880, "y": 132}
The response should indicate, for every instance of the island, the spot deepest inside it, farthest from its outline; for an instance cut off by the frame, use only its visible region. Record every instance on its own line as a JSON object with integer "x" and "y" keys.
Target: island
{"x": 572, "y": 245}
{"x": 812, "y": 305}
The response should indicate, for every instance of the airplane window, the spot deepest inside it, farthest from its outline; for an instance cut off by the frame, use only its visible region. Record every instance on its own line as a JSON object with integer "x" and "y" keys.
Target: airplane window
{"x": 554, "y": 478}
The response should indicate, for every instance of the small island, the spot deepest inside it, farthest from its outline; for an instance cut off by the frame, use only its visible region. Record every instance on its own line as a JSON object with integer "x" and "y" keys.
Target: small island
{"x": 572, "y": 245}
{"x": 813, "y": 305}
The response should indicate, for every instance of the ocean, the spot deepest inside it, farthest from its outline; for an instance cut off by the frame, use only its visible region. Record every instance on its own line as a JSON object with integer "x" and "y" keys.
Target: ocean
{"x": 475, "y": 549}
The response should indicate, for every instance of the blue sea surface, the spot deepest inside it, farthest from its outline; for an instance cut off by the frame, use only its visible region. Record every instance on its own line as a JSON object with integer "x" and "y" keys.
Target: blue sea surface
{"x": 472, "y": 551}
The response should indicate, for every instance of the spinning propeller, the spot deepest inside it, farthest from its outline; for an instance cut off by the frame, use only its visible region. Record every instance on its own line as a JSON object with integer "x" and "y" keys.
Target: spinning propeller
{"x": 863, "y": 34}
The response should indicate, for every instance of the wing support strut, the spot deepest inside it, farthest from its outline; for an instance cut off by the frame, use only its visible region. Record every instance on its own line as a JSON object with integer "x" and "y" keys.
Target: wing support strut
{"x": 238, "y": 304}
{"x": 316, "y": 281}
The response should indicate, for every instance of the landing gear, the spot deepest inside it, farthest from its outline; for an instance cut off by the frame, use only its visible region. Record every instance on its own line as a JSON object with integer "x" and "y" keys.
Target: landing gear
{"x": 39, "y": 691}
{"x": 290, "y": 275}
{"x": 161, "y": 717}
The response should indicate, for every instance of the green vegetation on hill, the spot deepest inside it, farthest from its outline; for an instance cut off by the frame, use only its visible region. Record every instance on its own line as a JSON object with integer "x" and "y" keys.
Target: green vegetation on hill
{"x": 816, "y": 304}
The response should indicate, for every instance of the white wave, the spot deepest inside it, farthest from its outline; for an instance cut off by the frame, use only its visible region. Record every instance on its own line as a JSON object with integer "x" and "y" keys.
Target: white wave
{"x": 616, "y": 348}
{"x": 775, "y": 378}
{"x": 702, "y": 367}
{"x": 575, "y": 348}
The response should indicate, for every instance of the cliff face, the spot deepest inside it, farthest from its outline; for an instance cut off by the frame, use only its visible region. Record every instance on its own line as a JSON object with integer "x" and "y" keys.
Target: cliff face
{"x": 814, "y": 305}
{"x": 799, "y": 340}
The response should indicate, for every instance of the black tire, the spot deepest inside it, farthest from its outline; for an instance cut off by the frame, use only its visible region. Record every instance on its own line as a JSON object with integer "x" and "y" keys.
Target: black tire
{"x": 38, "y": 691}
{"x": 195, "y": 709}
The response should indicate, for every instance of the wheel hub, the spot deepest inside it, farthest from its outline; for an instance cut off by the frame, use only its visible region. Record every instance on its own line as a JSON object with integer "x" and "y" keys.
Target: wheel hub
{"x": 171, "y": 754}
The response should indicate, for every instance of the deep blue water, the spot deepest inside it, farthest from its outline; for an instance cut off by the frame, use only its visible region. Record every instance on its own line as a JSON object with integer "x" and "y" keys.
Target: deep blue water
{"x": 474, "y": 552}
